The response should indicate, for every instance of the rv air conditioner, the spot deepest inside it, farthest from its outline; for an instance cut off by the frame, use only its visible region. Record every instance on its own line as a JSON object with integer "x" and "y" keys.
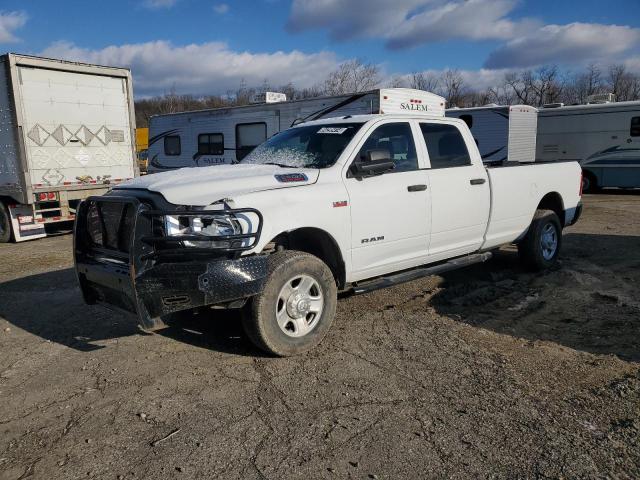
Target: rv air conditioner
{"x": 601, "y": 98}
{"x": 269, "y": 97}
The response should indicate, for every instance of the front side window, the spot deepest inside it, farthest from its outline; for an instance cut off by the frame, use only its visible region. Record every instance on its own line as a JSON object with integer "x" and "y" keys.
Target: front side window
{"x": 445, "y": 145}
{"x": 397, "y": 139}
{"x": 315, "y": 146}
{"x": 172, "y": 145}
{"x": 635, "y": 127}
{"x": 248, "y": 137}
{"x": 210, "y": 144}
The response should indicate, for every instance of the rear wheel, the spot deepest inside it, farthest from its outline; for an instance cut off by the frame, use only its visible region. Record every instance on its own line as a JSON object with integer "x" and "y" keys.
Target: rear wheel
{"x": 5, "y": 224}
{"x": 540, "y": 247}
{"x": 295, "y": 309}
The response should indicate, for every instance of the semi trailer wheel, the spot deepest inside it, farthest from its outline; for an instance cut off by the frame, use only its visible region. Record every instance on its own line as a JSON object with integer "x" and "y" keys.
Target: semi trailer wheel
{"x": 540, "y": 247}
{"x": 295, "y": 309}
{"x": 5, "y": 224}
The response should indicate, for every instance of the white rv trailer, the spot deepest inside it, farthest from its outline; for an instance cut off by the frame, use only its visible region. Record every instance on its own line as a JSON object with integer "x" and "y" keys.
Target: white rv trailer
{"x": 502, "y": 133}
{"x": 66, "y": 133}
{"x": 604, "y": 138}
{"x": 226, "y": 135}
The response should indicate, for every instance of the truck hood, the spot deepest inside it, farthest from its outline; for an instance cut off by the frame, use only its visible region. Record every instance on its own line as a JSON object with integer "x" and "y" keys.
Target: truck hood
{"x": 205, "y": 185}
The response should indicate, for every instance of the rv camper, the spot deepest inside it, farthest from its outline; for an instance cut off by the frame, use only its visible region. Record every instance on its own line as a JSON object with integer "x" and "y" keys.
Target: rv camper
{"x": 66, "y": 133}
{"x": 227, "y": 135}
{"x": 603, "y": 137}
{"x": 502, "y": 133}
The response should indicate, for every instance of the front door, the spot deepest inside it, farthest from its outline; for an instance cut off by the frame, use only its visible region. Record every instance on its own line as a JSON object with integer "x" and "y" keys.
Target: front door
{"x": 390, "y": 214}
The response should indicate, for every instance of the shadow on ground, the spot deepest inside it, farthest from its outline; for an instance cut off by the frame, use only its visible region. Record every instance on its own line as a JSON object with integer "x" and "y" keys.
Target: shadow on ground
{"x": 590, "y": 303}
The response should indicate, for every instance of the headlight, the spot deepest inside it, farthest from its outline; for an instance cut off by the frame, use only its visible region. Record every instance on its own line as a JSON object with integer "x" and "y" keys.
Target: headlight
{"x": 206, "y": 226}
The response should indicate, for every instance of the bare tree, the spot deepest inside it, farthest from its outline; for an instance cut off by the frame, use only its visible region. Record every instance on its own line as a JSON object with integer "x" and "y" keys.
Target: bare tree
{"x": 452, "y": 87}
{"x": 424, "y": 81}
{"x": 352, "y": 76}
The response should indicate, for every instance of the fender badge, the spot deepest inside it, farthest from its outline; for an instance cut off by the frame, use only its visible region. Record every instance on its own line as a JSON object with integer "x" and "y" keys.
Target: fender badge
{"x": 342, "y": 203}
{"x": 291, "y": 177}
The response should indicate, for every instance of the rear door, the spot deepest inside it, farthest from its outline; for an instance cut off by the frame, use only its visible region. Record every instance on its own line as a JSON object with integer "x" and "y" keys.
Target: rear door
{"x": 75, "y": 125}
{"x": 390, "y": 212}
{"x": 460, "y": 192}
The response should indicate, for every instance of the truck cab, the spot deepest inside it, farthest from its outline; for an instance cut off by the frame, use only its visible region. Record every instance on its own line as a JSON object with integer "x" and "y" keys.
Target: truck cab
{"x": 352, "y": 203}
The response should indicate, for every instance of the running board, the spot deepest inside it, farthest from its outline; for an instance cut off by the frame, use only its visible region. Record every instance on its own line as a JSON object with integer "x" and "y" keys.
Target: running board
{"x": 397, "y": 278}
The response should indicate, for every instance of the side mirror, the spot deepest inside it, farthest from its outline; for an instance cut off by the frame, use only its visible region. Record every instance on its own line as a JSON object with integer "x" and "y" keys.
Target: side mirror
{"x": 376, "y": 162}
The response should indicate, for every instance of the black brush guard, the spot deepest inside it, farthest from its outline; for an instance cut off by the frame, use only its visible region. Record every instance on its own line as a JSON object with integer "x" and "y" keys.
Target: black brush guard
{"x": 123, "y": 259}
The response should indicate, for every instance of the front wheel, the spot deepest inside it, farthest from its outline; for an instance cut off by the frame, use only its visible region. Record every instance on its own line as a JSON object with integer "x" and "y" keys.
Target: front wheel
{"x": 295, "y": 309}
{"x": 540, "y": 247}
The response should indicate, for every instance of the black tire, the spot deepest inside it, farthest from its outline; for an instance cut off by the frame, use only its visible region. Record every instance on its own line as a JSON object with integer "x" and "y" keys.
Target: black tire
{"x": 5, "y": 224}
{"x": 535, "y": 252}
{"x": 261, "y": 316}
{"x": 589, "y": 182}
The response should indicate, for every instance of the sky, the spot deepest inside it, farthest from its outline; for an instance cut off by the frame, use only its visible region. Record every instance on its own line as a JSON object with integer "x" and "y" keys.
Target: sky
{"x": 209, "y": 47}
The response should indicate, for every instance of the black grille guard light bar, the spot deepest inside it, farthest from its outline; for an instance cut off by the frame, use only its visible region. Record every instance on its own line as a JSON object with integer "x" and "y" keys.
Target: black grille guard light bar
{"x": 137, "y": 277}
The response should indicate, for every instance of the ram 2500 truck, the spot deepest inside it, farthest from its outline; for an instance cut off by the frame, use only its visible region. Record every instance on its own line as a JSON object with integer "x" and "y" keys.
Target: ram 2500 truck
{"x": 353, "y": 203}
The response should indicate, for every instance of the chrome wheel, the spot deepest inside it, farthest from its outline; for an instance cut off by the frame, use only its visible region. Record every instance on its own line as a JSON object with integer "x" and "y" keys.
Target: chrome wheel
{"x": 549, "y": 241}
{"x": 299, "y": 305}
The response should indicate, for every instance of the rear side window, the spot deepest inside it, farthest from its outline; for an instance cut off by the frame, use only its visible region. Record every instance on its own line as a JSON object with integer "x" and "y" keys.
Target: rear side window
{"x": 635, "y": 127}
{"x": 211, "y": 144}
{"x": 172, "y": 145}
{"x": 445, "y": 145}
{"x": 398, "y": 140}
{"x": 248, "y": 137}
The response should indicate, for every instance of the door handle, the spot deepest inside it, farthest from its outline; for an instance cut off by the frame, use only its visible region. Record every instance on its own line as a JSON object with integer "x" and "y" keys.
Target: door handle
{"x": 416, "y": 188}
{"x": 477, "y": 181}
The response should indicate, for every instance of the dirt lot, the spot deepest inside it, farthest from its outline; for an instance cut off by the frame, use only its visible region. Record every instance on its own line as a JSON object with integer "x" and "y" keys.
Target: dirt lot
{"x": 490, "y": 372}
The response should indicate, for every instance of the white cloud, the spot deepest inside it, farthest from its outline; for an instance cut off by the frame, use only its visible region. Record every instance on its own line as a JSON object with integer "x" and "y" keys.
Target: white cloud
{"x": 569, "y": 44}
{"x": 158, "y": 4}
{"x": 9, "y": 22}
{"x": 407, "y": 23}
{"x": 221, "y": 8}
{"x": 207, "y": 68}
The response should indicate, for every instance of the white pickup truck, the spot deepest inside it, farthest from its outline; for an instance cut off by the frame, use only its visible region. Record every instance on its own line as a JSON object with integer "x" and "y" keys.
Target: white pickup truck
{"x": 343, "y": 204}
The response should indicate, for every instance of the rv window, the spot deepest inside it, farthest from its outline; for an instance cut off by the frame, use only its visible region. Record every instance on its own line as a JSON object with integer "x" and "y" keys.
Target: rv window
{"x": 468, "y": 119}
{"x": 398, "y": 140}
{"x": 172, "y": 145}
{"x": 248, "y": 137}
{"x": 635, "y": 127}
{"x": 445, "y": 145}
{"x": 210, "y": 144}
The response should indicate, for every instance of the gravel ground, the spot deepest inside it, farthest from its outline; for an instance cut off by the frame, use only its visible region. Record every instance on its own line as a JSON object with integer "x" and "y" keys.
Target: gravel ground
{"x": 488, "y": 372}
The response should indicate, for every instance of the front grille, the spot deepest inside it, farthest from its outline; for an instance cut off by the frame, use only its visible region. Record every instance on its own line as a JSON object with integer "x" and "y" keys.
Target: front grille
{"x": 110, "y": 224}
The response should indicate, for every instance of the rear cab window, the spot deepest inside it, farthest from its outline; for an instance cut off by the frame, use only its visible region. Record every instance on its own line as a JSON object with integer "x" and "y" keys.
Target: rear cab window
{"x": 445, "y": 145}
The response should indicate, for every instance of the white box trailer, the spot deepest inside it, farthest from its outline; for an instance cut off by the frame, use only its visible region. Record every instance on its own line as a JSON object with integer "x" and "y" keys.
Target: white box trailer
{"x": 604, "y": 138}
{"x": 226, "y": 135}
{"x": 67, "y": 131}
{"x": 502, "y": 133}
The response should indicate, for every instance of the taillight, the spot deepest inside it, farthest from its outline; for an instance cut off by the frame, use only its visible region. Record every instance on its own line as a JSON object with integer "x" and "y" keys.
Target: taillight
{"x": 51, "y": 195}
{"x": 42, "y": 197}
{"x": 581, "y": 184}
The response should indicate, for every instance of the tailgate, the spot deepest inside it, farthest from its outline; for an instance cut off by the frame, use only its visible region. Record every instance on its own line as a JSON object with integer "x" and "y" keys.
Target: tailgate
{"x": 77, "y": 126}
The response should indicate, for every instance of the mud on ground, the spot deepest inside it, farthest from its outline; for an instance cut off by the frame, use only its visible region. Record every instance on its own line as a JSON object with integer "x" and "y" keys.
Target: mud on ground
{"x": 485, "y": 372}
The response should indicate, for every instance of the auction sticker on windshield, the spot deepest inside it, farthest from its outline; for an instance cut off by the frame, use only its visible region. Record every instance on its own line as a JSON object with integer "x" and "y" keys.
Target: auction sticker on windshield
{"x": 333, "y": 130}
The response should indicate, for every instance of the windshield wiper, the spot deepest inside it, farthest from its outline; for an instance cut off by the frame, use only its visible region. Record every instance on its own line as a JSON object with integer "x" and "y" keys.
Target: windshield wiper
{"x": 281, "y": 165}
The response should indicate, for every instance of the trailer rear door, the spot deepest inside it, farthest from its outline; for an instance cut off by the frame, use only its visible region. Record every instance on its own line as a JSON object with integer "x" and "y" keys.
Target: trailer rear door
{"x": 76, "y": 126}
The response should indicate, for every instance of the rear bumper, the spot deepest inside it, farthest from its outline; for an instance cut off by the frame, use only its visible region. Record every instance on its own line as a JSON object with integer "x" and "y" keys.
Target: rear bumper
{"x": 137, "y": 280}
{"x": 577, "y": 212}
